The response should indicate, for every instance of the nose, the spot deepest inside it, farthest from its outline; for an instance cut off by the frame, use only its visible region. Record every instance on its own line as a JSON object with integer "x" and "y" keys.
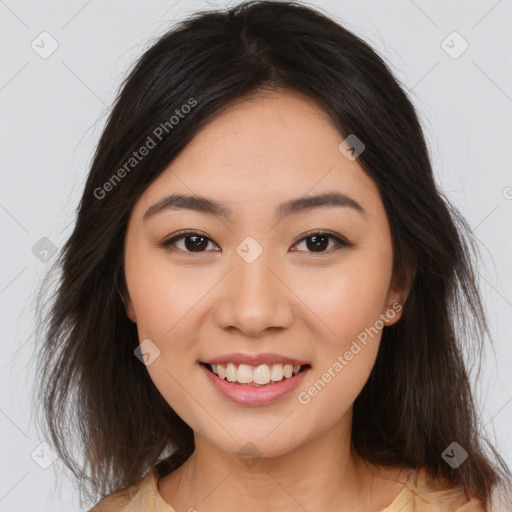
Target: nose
{"x": 254, "y": 298}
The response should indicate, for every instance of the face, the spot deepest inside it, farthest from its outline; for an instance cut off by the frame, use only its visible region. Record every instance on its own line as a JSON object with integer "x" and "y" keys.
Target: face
{"x": 308, "y": 283}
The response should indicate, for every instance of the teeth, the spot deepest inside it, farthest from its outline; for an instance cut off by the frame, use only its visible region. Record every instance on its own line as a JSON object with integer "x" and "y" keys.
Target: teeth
{"x": 245, "y": 374}
{"x": 276, "y": 373}
{"x": 258, "y": 375}
{"x": 231, "y": 372}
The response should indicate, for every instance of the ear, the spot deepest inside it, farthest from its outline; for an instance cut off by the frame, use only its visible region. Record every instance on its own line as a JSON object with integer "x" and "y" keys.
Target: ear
{"x": 130, "y": 310}
{"x": 398, "y": 292}
{"x": 127, "y": 301}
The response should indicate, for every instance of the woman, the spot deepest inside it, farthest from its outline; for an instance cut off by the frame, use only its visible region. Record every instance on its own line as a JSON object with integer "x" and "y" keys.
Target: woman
{"x": 260, "y": 304}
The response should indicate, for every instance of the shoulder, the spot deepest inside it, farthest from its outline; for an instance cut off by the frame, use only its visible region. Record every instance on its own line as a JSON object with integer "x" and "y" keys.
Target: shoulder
{"x": 427, "y": 492}
{"x": 141, "y": 496}
{"x": 123, "y": 501}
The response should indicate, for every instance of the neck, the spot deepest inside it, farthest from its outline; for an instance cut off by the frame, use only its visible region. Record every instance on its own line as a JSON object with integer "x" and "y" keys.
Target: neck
{"x": 323, "y": 473}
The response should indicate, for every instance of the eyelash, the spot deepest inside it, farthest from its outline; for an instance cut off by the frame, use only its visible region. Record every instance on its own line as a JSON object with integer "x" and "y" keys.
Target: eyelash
{"x": 341, "y": 242}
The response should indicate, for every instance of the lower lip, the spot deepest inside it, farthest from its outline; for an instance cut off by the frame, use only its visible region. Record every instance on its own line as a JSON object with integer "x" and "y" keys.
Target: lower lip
{"x": 252, "y": 395}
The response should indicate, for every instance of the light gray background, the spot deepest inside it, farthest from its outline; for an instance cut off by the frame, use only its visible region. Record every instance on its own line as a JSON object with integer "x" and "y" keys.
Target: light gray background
{"x": 53, "y": 111}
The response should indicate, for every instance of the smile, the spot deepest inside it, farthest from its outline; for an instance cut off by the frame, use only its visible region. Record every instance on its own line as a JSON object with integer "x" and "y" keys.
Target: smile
{"x": 251, "y": 392}
{"x": 260, "y": 375}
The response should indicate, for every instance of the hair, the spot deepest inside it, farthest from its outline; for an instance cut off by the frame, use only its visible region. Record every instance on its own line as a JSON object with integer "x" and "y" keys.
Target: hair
{"x": 417, "y": 400}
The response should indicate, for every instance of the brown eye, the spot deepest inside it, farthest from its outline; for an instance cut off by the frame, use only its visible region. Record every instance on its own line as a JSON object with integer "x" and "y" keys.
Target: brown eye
{"x": 318, "y": 242}
{"x": 193, "y": 242}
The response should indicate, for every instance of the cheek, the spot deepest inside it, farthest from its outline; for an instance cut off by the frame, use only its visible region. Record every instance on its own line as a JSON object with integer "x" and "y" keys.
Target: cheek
{"x": 349, "y": 353}
{"x": 164, "y": 306}
{"x": 345, "y": 357}
{"x": 162, "y": 295}
{"x": 350, "y": 301}
{"x": 166, "y": 302}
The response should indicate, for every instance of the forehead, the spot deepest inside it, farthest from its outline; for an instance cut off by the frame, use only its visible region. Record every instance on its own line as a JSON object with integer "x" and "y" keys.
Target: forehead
{"x": 263, "y": 150}
{"x": 274, "y": 134}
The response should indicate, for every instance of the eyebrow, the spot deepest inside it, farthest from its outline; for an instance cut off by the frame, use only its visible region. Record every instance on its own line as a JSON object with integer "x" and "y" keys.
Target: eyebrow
{"x": 213, "y": 207}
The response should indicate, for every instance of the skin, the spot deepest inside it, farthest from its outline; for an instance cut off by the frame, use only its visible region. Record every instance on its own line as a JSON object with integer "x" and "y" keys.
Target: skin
{"x": 291, "y": 300}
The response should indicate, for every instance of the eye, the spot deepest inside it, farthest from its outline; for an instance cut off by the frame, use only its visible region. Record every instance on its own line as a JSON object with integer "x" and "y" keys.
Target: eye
{"x": 318, "y": 241}
{"x": 315, "y": 242}
{"x": 194, "y": 242}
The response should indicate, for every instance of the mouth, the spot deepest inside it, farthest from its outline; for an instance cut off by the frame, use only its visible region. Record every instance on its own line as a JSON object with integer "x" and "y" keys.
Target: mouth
{"x": 259, "y": 376}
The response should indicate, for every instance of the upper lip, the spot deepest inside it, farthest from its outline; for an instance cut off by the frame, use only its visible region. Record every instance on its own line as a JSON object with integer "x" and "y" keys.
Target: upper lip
{"x": 254, "y": 360}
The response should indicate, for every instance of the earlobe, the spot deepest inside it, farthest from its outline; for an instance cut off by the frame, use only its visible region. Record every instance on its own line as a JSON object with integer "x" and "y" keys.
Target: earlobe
{"x": 393, "y": 313}
{"x": 128, "y": 304}
{"x": 398, "y": 293}
{"x": 130, "y": 310}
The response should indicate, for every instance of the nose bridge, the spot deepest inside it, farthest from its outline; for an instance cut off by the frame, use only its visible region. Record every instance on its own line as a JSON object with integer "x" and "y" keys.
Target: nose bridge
{"x": 254, "y": 298}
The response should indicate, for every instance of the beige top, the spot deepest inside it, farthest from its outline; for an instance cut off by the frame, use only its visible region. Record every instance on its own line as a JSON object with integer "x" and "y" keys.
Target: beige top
{"x": 421, "y": 493}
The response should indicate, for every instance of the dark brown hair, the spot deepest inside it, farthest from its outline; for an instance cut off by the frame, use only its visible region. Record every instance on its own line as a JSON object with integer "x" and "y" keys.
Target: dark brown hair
{"x": 93, "y": 390}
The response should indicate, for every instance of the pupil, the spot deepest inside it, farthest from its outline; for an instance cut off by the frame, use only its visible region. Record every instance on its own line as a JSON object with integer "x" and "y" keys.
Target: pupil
{"x": 319, "y": 242}
{"x": 197, "y": 244}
